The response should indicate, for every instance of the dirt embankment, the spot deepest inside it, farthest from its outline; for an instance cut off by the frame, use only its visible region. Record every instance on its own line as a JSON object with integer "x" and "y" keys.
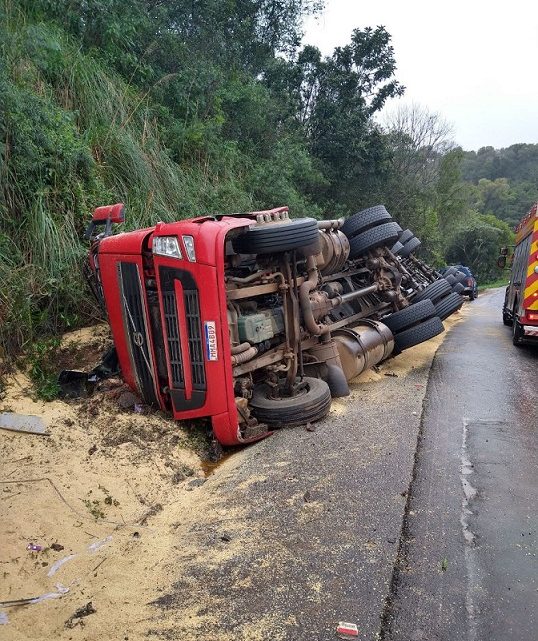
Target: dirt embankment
{"x": 88, "y": 495}
{"x": 109, "y": 498}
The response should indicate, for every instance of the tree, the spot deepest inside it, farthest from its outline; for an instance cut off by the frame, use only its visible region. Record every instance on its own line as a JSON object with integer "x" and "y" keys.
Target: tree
{"x": 338, "y": 97}
{"x": 476, "y": 243}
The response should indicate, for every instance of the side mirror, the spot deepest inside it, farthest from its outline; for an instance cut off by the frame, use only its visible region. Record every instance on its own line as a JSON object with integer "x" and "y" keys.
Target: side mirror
{"x": 105, "y": 216}
{"x": 501, "y": 261}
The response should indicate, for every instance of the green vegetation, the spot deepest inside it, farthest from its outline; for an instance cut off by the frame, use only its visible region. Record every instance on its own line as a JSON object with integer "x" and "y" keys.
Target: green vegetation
{"x": 41, "y": 357}
{"x": 504, "y": 181}
{"x": 188, "y": 107}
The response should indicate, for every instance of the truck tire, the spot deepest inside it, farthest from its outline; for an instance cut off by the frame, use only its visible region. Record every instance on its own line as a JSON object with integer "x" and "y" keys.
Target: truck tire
{"x": 406, "y": 235}
{"x": 409, "y": 316}
{"x": 517, "y": 333}
{"x": 434, "y": 291}
{"x": 410, "y": 247}
{"x": 396, "y": 248}
{"x": 279, "y": 237}
{"x": 450, "y": 279}
{"x": 517, "y": 330}
{"x": 448, "y": 305}
{"x": 507, "y": 319}
{"x": 385, "y": 234}
{"x": 451, "y": 271}
{"x": 458, "y": 288}
{"x": 419, "y": 333}
{"x": 310, "y": 405}
{"x": 365, "y": 219}
{"x": 459, "y": 276}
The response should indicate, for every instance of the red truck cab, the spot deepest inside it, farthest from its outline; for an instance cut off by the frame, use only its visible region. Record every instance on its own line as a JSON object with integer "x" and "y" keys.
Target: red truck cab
{"x": 165, "y": 299}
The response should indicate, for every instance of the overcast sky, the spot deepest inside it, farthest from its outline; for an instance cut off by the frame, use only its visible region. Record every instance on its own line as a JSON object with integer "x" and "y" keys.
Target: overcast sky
{"x": 473, "y": 61}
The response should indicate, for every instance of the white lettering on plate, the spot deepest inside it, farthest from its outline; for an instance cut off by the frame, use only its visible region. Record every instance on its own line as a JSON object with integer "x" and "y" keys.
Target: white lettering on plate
{"x": 211, "y": 341}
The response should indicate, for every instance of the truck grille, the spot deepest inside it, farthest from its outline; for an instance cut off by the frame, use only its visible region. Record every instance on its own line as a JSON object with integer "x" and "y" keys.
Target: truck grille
{"x": 172, "y": 333}
{"x": 134, "y": 319}
{"x": 193, "y": 321}
{"x": 192, "y": 311}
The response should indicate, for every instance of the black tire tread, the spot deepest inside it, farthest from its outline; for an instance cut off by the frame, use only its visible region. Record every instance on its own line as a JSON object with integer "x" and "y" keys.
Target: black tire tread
{"x": 290, "y": 412}
{"x": 365, "y": 219}
{"x": 448, "y": 305}
{"x": 404, "y": 318}
{"x": 434, "y": 291}
{"x": 410, "y": 246}
{"x": 419, "y": 333}
{"x": 278, "y": 237}
{"x": 406, "y": 235}
{"x": 385, "y": 234}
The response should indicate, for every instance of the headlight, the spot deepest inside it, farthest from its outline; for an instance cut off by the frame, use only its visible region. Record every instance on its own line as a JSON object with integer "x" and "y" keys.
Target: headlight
{"x": 536, "y": 269}
{"x": 188, "y": 241}
{"x": 166, "y": 246}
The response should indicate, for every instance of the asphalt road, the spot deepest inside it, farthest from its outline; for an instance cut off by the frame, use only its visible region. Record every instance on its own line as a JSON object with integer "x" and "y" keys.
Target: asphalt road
{"x": 300, "y": 531}
{"x": 410, "y": 512}
{"x": 467, "y": 566}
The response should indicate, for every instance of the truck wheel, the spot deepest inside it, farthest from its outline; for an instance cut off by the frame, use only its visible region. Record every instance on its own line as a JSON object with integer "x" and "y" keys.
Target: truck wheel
{"x": 460, "y": 277}
{"x": 448, "y": 305}
{"x": 450, "y": 279}
{"x": 409, "y": 316}
{"x": 365, "y": 219}
{"x": 451, "y": 271}
{"x": 396, "y": 248}
{"x": 311, "y": 404}
{"x": 419, "y": 333}
{"x": 410, "y": 247}
{"x": 458, "y": 288}
{"x": 279, "y": 237}
{"x": 517, "y": 330}
{"x": 406, "y": 235}
{"x": 434, "y": 291}
{"x": 385, "y": 234}
{"x": 507, "y": 319}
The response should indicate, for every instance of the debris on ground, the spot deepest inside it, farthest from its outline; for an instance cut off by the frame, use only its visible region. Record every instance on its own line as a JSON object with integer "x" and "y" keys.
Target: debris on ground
{"x": 75, "y": 618}
{"x": 347, "y": 629}
{"x": 23, "y": 423}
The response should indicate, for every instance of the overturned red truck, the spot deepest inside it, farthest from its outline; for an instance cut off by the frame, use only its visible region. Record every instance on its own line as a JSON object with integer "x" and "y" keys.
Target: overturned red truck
{"x": 257, "y": 320}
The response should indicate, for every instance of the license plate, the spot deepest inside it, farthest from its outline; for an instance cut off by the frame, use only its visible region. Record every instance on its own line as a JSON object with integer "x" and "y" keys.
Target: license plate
{"x": 211, "y": 341}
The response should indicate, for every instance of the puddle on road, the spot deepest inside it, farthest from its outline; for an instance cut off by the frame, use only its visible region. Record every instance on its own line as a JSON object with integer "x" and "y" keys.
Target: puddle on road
{"x": 210, "y": 467}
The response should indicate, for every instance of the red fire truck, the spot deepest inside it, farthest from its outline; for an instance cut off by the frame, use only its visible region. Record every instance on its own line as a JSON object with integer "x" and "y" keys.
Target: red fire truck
{"x": 257, "y": 320}
{"x": 520, "y": 309}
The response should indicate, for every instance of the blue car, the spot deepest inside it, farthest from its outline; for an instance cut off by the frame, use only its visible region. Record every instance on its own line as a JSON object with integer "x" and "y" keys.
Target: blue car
{"x": 462, "y": 274}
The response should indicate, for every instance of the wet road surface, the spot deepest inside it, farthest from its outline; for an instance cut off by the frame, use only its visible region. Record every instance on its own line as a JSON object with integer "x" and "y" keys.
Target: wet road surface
{"x": 300, "y": 531}
{"x": 468, "y": 566}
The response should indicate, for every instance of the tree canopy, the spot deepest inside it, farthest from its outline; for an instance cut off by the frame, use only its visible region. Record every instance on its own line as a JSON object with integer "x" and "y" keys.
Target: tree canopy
{"x": 180, "y": 108}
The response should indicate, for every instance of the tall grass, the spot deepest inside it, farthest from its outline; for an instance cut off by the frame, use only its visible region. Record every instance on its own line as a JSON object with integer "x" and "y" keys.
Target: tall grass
{"x": 74, "y": 135}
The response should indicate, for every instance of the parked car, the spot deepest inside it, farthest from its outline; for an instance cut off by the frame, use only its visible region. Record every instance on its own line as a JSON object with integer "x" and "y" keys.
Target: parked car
{"x": 462, "y": 274}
